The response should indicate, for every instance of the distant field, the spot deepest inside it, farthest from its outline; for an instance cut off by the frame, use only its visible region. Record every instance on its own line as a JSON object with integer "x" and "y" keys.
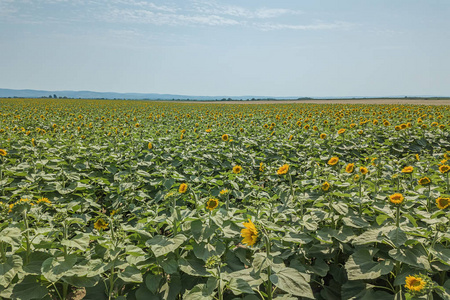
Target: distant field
{"x": 403, "y": 101}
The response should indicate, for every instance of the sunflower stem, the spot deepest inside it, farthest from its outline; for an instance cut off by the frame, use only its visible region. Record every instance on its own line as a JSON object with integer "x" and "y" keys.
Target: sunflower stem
{"x": 397, "y": 222}
{"x": 269, "y": 269}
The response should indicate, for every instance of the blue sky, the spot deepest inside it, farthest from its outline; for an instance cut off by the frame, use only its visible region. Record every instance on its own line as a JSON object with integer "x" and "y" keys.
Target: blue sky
{"x": 210, "y": 47}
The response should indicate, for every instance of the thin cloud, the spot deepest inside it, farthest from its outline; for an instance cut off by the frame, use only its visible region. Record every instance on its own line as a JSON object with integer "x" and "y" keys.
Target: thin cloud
{"x": 319, "y": 26}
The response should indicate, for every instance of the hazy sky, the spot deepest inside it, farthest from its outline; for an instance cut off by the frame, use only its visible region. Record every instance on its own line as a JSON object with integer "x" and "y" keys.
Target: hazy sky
{"x": 213, "y": 47}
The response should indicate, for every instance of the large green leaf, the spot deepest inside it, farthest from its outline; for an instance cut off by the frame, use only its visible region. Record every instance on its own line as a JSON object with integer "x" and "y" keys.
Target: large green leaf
{"x": 361, "y": 265}
{"x": 29, "y": 288}
{"x": 415, "y": 256}
{"x": 9, "y": 269}
{"x": 161, "y": 245}
{"x": 54, "y": 268}
{"x": 293, "y": 282}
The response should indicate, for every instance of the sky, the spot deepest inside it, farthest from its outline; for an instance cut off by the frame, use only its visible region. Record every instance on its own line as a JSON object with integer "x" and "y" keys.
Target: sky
{"x": 304, "y": 48}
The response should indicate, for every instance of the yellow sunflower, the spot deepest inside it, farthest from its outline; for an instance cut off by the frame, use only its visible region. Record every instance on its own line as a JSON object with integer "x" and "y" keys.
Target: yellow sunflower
{"x": 212, "y": 204}
{"x": 334, "y": 160}
{"x": 444, "y": 168}
{"x": 225, "y": 137}
{"x": 43, "y": 200}
{"x": 3, "y": 152}
{"x": 323, "y": 136}
{"x": 363, "y": 170}
{"x": 100, "y": 224}
{"x": 442, "y": 203}
{"x": 341, "y": 131}
{"x": 183, "y": 188}
{"x": 424, "y": 181}
{"x": 224, "y": 191}
{"x": 414, "y": 283}
{"x": 249, "y": 233}
{"x": 261, "y": 167}
{"x": 237, "y": 169}
{"x": 396, "y": 198}
{"x": 283, "y": 169}
{"x": 150, "y": 146}
{"x": 408, "y": 169}
{"x": 349, "y": 168}
{"x": 325, "y": 186}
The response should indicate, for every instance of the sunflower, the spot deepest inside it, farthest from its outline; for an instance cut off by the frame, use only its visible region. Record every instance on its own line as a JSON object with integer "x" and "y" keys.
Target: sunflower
{"x": 3, "y": 152}
{"x": 249, "y": 233}
{"x": 323, "y": 136}
{"x": 396, "y": 198}
{"x": 261, "y": 167}
{"x": 43, "y": 200}
{"x": 325, "y": 186}
{"x": 212, "y": 204}
{"x": 424, "y": 181}
{"x": 403, "y": 126}
{"x": 225, "y": 137}
{"x": 360, "y": 132}
{"x": 224, "y": 191}
{"x": 444, "y": 168}
{"x": 363, "y": 170}
{"x": 291, "y": 137}
{"x": 150, "y": 145}
{"x": 414, "y": 283}
{"x": 183, "y": 188}
{"x": 417, "y": 156}
{"x": 341, "y": 131}
{"x": 100, "y": 224}
{"x": 237, "y": 169}
{"x": 349, "y": 168}
{"x": 208, "y": 130}
{"x": 334, "y": 160}
{"x": 283, "y": 169}
{"x": 407, "y": 170}
{"x": 442, "y": 203}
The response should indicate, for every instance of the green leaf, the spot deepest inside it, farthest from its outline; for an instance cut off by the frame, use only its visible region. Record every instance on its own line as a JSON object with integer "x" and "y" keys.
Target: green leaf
{"x": 81, "y": 281}
{"x": 29, "y": 288}
{"x": 161, "y": 245}
{"x": 54, "y": 268}
{"x": 415, "y": 256}
{"x": 80, "y": 241}
{"x": 11, "y": 236}
{"x": 152, "y": 282}
{"x": 9, "y": 269}
{"x": 240, "y": 286}
{"x": 198, "y": 292}
{"x": 36, "y": 259}
{"x": 361, "y": 265}
{"x": 130, "y": 274}
{"x": 193, "y": 266}
{"x": 397, "y": 237}
{"x": 293, "y": 282}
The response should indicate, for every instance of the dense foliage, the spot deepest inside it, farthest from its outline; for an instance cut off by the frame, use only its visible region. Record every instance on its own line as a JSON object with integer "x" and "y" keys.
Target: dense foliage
{"x": 159, "y": 200}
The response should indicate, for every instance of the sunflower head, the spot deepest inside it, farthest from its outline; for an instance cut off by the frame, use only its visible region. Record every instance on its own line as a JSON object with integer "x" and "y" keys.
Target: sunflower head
{"x": 224, "y": 192}
{"x": 237, "y": 169}
{"x": 100, "y": 224}
{"x": 334, "y": 160}
{"x": 225, "y": 137}
{"x": 424, "y": 181}
{"x": 183, "y": 188}
{"x": 396, "y": 198}
{"x": 283, "y": 169}
{"x": 212, "y": 204}
{"x": 249, "y": 233}
{"x": 325, "y": 186}
{"x": 323, "y": 136}
{"x": 341, "y": 131}
{"x": 150, "y": 145}
{"x": 261, "y": 167}
{"x": 444, "y": 169}
{"x": 363, "y": 170}
{"x": 408, "y": 169}
{"x": 349, "y": 168}
{"x": 3, "y": 152}
{"x": 442, "y": 203}
{"x": 418, "y": 285}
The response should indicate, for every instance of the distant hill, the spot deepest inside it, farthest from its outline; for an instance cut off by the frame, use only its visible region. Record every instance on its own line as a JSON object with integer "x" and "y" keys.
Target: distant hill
{"x": 109, "y": 95}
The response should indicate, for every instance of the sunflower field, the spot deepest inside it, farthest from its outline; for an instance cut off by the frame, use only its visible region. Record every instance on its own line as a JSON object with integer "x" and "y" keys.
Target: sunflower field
{"x": 112, "y": 199}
